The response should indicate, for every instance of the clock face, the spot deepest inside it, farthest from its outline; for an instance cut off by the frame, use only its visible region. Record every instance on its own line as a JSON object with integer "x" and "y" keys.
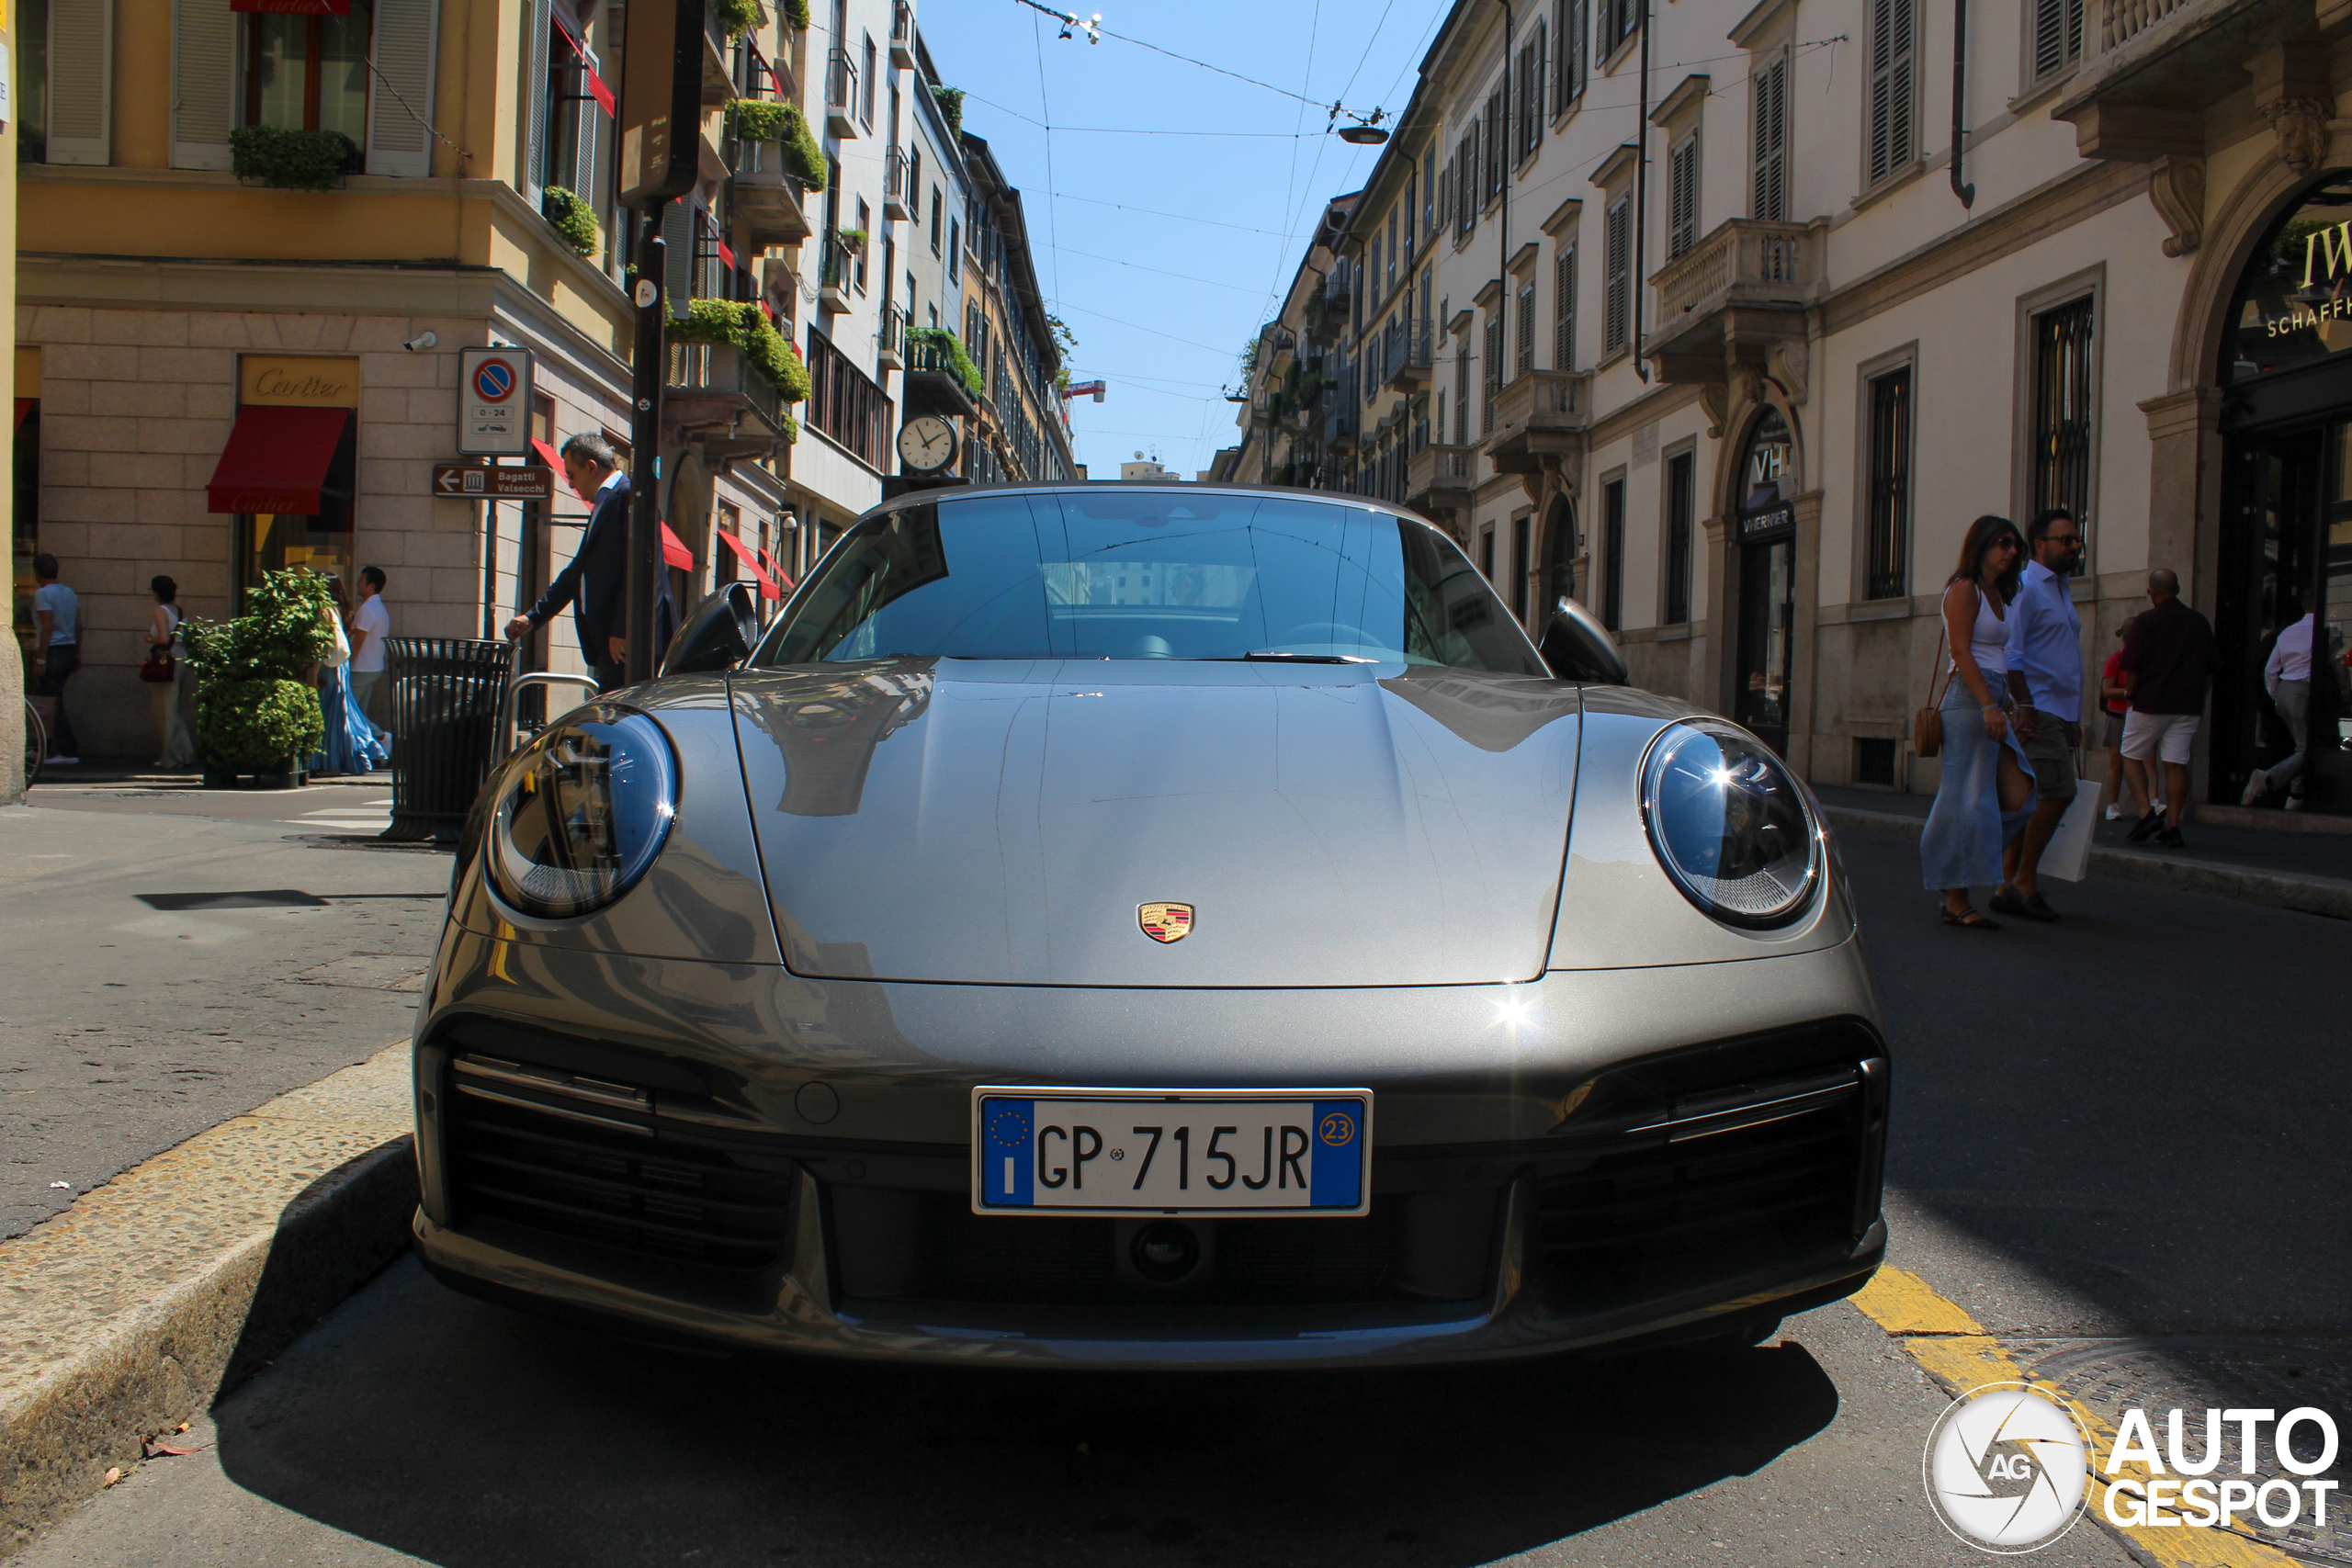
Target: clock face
{"x": 926, "y": 445}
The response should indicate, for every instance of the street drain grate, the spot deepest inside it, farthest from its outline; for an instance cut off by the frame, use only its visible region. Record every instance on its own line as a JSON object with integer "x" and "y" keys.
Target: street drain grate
{"x": 262, "y": 898}
{"x": 2194, "y": 1373}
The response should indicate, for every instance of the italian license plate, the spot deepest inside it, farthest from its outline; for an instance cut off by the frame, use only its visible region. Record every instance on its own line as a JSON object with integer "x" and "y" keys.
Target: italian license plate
{"x": 1107, "y": 1151}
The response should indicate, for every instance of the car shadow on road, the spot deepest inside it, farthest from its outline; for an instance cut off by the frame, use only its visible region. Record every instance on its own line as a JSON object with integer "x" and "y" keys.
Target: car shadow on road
{"x": 475, "y": 1438}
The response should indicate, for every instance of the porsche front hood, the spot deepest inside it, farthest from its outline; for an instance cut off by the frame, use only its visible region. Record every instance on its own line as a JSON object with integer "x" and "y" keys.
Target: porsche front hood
{"x": 1001, "y": 822}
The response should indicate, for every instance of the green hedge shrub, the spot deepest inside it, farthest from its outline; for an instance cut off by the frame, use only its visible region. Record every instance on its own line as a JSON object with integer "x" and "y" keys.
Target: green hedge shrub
{"x": 953, "y": 346}
{"x": 738, "y": 17}
{"x": 291, "y": 159}
{"x": 572, "y": 217}
{"x": 755, "y": 119}
{"x": 252, "y": 709}
{"x": 252, "y": 726}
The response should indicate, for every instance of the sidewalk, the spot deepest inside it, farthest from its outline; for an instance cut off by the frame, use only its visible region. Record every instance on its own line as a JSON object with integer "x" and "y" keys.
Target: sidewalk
{"x": 2308, "y": 872}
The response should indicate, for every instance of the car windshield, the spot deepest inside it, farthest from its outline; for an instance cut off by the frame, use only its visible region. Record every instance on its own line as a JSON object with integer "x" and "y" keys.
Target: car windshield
{"x": 1112, "y": 574}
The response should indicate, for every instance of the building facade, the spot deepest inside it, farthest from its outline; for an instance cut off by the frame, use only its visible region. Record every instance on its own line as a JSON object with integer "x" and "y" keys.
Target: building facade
{"x": 1733, "y": 352}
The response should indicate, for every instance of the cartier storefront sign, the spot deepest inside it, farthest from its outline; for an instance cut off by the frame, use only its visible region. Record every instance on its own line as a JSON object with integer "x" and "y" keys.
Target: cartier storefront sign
{"x": 298, "y": 381}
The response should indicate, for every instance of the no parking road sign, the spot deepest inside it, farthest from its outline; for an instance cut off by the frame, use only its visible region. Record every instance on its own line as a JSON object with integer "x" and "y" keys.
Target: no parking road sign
{"x": 495, "y": 401}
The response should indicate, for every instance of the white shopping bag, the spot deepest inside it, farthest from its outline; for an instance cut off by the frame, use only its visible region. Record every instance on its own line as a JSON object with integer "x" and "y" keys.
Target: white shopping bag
{"x": 2068, "y": 858}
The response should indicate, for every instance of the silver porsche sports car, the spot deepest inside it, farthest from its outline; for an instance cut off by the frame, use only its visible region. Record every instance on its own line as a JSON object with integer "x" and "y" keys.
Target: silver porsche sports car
{"x": 1150, "y": 926}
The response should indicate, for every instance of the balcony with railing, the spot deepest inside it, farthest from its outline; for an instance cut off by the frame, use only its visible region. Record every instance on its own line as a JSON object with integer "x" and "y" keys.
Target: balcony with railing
{"x": 890, "y": 339}
{"x": 1405, "y": 355}
{"x": 1538, "y": 415}
{"x": 902, "y": 35}
{"x": 1437, "y": 482}
{"x": 1745, "y": 285}
{"x": 718, "y": 62}
{"x": 935, "y": 382}
{"x": 2149, "y": 67}
{"x": 841, "y": 92}
{"x": 768, "y": 195}
{"x": 1327, "y": 314}
{"x": 716, "y": 394}
{"x": 897, "y": 186}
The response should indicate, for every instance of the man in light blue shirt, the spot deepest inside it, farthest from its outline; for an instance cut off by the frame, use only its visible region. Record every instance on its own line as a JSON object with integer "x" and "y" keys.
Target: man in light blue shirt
{"x": 2045, "y": 657}
{"x": 57, "y": 628}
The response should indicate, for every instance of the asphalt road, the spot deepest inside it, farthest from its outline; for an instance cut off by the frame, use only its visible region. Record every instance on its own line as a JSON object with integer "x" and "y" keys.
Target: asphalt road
{"x": 152, "y": 995}
{"x": 2123, "y": 1132}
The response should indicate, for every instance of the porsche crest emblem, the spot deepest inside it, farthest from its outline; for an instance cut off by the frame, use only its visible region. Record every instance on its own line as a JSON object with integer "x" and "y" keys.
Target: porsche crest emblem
{"x": 1165, "y": 922}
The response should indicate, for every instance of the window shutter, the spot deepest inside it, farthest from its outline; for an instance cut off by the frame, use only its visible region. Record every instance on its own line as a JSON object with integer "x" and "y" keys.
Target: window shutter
{"x": 1523, "y": 359}
{"x": 538, "y": 27}
{"x": 678, "y": 260}
{"x": 2057, "y": 36}
{"x": 1682, "y": 198}
{"x": 1618, "y": 258}
{"x": 1893, "y": 88}
{"x": 1768, "y": 193}
{"x": 1574, "y": 42}
{"x": 81, "y": 81}
{"x": 1564, "y": 309}
{"x": 405, "y": 36}
{"x": 204, "y": 77}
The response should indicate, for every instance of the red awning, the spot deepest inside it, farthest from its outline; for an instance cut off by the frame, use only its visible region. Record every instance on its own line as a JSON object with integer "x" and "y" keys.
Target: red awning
{"x": 24, "y": 407}
{"x": 294, "y": 7}
{"x": 674, "y": 551}
{"x": 276, "y": 461}
{"x": 776, "y": 569}
{"x": 548, "y": 455}
{"x": 595, "y": 84}
{"x": 751, "y": 559}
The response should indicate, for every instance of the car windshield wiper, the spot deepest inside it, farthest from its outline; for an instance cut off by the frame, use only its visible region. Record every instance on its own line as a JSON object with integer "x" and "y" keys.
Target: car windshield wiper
{"x": 1270, "y": 656}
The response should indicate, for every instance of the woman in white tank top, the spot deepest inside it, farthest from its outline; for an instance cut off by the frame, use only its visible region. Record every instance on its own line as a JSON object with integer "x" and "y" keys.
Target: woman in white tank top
{"x": 1985, "y": 793}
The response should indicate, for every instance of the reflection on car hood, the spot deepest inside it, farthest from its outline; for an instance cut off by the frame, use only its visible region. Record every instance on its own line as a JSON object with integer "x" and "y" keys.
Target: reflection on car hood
{"x": 1001, "y": 822}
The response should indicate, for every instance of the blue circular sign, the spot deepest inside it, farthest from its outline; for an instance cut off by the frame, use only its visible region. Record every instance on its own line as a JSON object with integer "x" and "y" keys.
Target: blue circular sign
{"x": 494, "y": 381}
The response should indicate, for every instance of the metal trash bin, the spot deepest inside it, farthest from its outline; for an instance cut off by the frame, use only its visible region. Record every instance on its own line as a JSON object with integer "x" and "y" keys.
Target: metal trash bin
{"x": 448, "y": 694}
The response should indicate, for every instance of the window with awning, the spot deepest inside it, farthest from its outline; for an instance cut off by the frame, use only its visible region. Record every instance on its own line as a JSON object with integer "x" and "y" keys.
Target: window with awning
{"x": 287, "y": 475}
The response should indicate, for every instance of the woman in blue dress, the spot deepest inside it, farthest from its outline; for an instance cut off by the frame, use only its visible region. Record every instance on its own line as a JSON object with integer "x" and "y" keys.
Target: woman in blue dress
{"x": 1986, "y": 791}
{"x": 351, "y": 744}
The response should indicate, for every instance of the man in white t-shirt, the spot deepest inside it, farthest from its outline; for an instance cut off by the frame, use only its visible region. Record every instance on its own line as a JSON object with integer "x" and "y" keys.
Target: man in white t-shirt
{"x": 371, "y": 624}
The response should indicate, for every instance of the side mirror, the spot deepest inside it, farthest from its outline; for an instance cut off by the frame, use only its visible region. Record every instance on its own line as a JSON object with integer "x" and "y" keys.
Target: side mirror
{"x": 719, "y": 633}
{"x": 1578, "y": 647}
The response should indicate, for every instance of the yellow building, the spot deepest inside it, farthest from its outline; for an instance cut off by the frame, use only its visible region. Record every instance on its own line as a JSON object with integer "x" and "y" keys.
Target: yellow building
{"x": 175, "y": 301}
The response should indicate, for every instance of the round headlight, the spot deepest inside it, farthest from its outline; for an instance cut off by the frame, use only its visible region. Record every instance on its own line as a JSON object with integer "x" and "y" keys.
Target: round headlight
{"x": 1730, "y": 824}
{"x": 583, "y": 812}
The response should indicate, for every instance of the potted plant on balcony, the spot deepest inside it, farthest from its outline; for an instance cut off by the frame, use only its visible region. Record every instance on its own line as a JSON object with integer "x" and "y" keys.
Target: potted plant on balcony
{"x": 736, "y": 17}
{"x": 291, "y": 159}
{"x": 784, "y": 126}
{"x": 254, "y": 713}
{"x": 853, "y": 241}
{"x": 741, "y": 325}
{"x": 941, "y": 343}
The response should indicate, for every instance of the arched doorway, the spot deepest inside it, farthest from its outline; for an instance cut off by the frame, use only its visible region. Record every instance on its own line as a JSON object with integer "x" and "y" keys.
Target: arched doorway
{"x": 1765, "y": 536}
{"x": 1559, "y": 557}
{"x": 2285, "y": 566}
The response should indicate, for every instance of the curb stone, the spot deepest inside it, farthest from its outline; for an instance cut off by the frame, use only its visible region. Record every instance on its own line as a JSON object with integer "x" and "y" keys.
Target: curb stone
{"x": 2283, "y": 890}
{"x": 157, "y": 1292}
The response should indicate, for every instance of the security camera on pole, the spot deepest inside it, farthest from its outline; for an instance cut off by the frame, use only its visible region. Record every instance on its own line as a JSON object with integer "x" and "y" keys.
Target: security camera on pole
{"x": 661, "y": 137}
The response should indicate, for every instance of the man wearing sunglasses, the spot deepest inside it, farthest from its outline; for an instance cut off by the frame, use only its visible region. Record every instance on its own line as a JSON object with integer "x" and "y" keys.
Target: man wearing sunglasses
{"x": 2045, "y": 676}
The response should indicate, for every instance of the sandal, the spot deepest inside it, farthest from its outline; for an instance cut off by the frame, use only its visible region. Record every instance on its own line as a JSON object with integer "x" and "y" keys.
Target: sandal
{"x": 1970, "y": 920}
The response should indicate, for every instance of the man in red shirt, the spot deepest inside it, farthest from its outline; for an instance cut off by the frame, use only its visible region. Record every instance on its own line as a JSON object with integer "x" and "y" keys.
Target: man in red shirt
{"x": 2167, "y": 662}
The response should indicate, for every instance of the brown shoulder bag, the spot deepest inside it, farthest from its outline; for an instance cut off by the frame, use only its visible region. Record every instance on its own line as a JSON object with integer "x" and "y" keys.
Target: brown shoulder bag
{"x": 1927, "y": 723}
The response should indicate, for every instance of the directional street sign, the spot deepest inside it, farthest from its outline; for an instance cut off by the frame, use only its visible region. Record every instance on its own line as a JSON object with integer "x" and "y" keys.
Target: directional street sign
{"x": 495, "y": 401}
{"x": 471, "y": 482}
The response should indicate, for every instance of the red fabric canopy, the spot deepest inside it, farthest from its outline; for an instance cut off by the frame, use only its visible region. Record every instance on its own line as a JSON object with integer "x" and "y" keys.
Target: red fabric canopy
{"x": 674, "y": 551}
{"x": 548, "y": 455}
{"x": 276, "y": 461}
{"x": 24, "y": 407}
{"x": 750, "y": 556}
{"x": 776, "y": 569}
{"x": 596, "y": 87}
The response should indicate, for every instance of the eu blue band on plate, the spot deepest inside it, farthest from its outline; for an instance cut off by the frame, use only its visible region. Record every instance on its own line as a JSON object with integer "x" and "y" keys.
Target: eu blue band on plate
{"x": 1008, "y": 1129}
{"x": 1334, "y": 1173}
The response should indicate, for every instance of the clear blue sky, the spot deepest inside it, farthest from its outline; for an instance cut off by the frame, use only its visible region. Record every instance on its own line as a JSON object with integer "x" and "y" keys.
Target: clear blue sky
{"x": 1243, "y": 204}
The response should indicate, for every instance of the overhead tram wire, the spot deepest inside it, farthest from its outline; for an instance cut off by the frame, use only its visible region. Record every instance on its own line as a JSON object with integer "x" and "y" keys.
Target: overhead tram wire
{"x": 1045, "y": 107}
{"x": 1141, "y": 129}
{"x": 1095, "y": 31}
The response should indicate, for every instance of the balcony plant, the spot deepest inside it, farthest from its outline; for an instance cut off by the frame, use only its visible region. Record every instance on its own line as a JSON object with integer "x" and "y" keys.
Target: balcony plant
{"x": 291, "y": 159}
{"x": 755, "y": 119}
{"x": 950, "y": 348}
{"x": 797, "y": 13}
{"x": 572, "y": 217}
{"x": 736, "y": 17}
{"x": 852, "y": 239}
{"x": 253, "y": 711}
{"x": 950, "y": 106}
{"x": 742, "y": 324}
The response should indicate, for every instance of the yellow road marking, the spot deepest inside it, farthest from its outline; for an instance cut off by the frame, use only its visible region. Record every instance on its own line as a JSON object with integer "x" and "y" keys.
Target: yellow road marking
{"x": 1953, "y": 1349}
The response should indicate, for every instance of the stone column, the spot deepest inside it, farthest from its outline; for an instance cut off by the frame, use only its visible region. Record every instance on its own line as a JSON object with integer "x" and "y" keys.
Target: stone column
{"x": 1803, "y": 679}
{"x": 2184, "y": 491}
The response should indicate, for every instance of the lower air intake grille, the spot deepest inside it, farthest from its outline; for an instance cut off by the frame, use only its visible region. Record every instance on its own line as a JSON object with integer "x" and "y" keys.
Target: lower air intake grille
{"x": 706, "y": 1215}
{"x": 1645, "y": 1221}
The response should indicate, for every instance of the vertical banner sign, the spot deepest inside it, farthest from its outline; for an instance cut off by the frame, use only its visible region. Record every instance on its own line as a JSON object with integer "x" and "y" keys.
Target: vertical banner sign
{"x": 661, "y": 119}
{"x": 494, "y": 402}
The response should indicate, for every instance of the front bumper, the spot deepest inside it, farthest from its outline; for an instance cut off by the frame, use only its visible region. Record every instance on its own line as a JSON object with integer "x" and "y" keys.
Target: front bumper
{"x": 1638, "y": 1152}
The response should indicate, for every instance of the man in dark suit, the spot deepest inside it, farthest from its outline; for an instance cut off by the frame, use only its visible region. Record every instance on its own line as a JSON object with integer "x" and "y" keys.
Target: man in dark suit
{"x": 596, "y": 583}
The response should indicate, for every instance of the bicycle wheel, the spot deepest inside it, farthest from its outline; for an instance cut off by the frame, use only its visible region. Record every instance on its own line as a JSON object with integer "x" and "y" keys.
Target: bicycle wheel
{"x": 36, "y": 742}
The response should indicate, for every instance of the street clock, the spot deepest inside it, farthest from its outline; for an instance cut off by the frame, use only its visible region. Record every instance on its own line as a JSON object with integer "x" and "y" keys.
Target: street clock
{"x": 926, "y": 445}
